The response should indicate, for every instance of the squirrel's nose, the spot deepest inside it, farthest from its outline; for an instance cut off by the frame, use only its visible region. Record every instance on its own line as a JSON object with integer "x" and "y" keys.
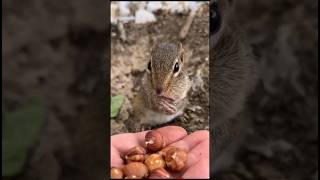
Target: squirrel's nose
{"x": 159, "y": 90}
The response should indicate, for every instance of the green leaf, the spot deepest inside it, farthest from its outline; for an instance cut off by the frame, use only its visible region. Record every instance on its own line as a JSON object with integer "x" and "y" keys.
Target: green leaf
{"x": 20, "y": 131}
{"x": 116, "y": 103}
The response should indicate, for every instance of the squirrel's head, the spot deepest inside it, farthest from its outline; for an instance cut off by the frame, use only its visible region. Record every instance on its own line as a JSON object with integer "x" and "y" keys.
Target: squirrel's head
{"x": 165, "y": 70}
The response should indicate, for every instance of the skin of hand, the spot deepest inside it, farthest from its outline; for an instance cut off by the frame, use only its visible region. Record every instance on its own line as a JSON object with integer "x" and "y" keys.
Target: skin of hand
{"x": 197, "y": 145}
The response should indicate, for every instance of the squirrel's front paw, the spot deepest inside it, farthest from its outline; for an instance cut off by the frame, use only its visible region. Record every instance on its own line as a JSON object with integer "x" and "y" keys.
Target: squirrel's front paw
{"x": 167, "y": 108}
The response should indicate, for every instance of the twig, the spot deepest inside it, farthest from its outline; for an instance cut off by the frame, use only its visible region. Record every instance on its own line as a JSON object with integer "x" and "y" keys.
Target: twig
{"x": 185, "y": 29}
{"x": 122, "y": 31}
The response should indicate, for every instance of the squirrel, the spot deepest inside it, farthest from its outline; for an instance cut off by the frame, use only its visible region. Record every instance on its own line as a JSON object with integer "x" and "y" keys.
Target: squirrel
{"x": 233, "y": 76}
{"x": 164, "y": 86}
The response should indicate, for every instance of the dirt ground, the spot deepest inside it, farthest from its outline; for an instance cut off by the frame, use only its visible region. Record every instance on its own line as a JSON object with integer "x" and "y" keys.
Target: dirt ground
{"x": 129, "y": 61}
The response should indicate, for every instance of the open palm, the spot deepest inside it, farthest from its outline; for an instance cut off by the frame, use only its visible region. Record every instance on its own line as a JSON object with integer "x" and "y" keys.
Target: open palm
{"x": 197, "y": 144}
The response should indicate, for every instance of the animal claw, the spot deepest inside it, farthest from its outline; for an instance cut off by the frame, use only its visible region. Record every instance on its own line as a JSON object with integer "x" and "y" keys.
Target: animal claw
{"x": 167, "y": 107}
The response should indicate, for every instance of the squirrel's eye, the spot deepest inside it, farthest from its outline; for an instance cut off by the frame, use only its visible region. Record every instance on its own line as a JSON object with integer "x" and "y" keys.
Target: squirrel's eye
{"x": 176, "y": 67}
{"x": 215, "y": 18}
{"x": 149, "y": 66}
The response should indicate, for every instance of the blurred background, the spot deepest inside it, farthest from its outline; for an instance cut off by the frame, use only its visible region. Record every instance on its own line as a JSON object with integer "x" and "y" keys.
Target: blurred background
{"x": 283, "y": 143}
{"x": 54, "y": 89}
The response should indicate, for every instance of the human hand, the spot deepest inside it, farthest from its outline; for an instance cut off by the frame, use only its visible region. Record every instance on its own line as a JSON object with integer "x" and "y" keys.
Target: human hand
{"x": 197, "y": 145}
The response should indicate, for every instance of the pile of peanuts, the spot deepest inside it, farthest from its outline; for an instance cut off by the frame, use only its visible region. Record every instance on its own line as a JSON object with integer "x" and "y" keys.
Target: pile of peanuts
{"x": 153, "y": 161}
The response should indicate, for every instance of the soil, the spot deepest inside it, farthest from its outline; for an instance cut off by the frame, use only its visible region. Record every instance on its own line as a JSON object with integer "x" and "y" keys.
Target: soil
{"x": 130, "y": 59}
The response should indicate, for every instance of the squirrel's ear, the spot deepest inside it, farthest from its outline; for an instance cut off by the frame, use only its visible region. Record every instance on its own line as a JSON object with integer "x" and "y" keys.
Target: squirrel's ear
{"x": 180, "y": 46}
{"x": 181, "y": 51}
{"x": 154, "y": 44}
{"x": 226, "y": 7}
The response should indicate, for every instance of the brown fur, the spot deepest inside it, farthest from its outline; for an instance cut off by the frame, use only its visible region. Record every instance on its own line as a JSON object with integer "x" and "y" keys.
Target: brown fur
{"x": 163, "y": 58}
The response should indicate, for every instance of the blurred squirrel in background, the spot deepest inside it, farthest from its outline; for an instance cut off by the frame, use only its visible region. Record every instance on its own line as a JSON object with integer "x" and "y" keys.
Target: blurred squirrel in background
{"x": 233, "y": 77}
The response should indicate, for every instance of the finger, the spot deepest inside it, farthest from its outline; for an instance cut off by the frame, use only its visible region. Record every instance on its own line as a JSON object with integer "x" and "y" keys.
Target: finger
{"x": 197, "y": 145}
{"x": 123, "y": 142}
{"x": 171, "y": 134}
{"x": 200, "y": 170}
{"x": 198, "y": 152}
{"x": 116, "y": 160}
{"x": 192, "y": 140}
